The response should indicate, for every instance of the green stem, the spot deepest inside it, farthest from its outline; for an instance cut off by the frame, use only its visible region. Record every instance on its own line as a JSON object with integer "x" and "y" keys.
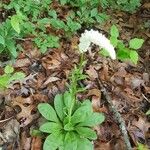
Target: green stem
{"x": 74, "y": 80}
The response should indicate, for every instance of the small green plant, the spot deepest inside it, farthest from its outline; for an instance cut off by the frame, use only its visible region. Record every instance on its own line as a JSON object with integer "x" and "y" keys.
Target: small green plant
{"x": 7, "y": 39}
{"x": 142, "y": 147}
{"x": 125, "y": 5}
{"x": 124, "y": 53}
{"x": 69, "y": 125}
{"x": 30, "y": 8}
{"x": 70, "y": 122}
{"x": 9, "y": 76}
{"x": 90, "y": 16}
{"x": 44, "y": 41}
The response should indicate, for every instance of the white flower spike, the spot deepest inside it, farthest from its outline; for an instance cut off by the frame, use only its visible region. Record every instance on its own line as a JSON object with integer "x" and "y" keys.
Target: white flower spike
{"x": 97, "y": 38}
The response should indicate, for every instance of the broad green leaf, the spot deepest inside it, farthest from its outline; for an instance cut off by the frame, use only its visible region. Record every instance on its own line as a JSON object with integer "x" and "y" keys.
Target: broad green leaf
{"x": 93, "y": 119}
{"x": 70, "y": 142}
{"x": 94, "y": 12}
{"x": 50, "y": 127}
{"x": 52, "y": 142}
{"x": 47, "y": 112}
{"x": 68, "y": 101}
{"x": 114, "y": 32}
{"x": 86, "y": 132}
{"x": 136, "y": 43}
{"x": 17, "y": 76}
{"x": 70, "y": 136}
{"x": 12, "y": 48}
{"x": 15, "y": 23}
{"x": 4, "y": 81}
{"x": 81, "y": 113}
{"x": 59, "y": 106}
{"x": 134, "y": 56}
{"x": 70, "y": 145}
{"x": 2, "y": 40}
{"x": 84, "y": 144}
{"x": 114, "y": 41}
{"x": 123, "y": 54}
{"x": 8, "y": 69}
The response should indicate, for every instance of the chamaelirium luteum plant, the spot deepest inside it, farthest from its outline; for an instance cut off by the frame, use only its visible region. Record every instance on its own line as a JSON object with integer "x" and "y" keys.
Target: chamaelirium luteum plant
{"x": 70, "y": 122}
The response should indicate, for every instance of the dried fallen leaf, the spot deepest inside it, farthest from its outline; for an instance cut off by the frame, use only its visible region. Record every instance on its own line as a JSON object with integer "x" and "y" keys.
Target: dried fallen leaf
{"x": 10, "y": 132}
{"x": 27, "y": 113}
{"x": 25, "y": 142}
{"x": 36, "y": 143}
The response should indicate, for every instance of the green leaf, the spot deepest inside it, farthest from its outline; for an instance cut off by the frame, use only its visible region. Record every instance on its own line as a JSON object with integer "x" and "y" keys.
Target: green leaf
{"x": 94, "y": 12}
{"x": 114, "y": 32}
{"x": 59, "y": 106}
{"x": 84, "y": 144}
{"x": 101, "y": 17}
{"x": 134, "y": 56}
{"x": 142, "y": 147}
{"x": 52, "y": 142}
{"x": 70, "y": 136}
{"x": 70, "y": 142}
{"x": 4, "y": 81}
{"x": 81, "y": 113}
{"x": 8, "y": 69}
{"x": 136, "y": 43}
{"x": 48, "y": 112}
{"x": 50, "y": 127}
{"x": 123, "y": 53}
{"x": 148, "y": 112}
{"x": 93, "y": 119}
{"x": 114, "y": 41}
{"x": 63, "y": 2}
{"x": 17, "y": 76}
{"x": 86, "y": 132}
{"x": 12, "y": 48}
{"x": 15, "y": 23}
{"x": 2, "y": 40}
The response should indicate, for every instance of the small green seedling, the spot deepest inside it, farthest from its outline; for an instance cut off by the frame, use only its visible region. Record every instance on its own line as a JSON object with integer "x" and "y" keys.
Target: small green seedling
{"x": 7, "y": 39}
{"x": 124, "y": 53}
{"x": 9, "y": 76}
{"x": 124, "y": 5}
{"x": 142, "y": 147}
{"x": 44, "y": 41}
{"x": 148, "y": 112}
{"x": 69, "y": 132}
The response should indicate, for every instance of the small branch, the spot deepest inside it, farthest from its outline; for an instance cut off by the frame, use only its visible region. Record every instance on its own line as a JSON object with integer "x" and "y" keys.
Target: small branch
{"x": 2, "y": 121}
{"x": 117, "y": 115}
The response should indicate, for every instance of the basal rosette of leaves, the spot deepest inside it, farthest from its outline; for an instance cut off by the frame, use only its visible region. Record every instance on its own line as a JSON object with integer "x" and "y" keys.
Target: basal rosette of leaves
{"x": 65, "y": 132}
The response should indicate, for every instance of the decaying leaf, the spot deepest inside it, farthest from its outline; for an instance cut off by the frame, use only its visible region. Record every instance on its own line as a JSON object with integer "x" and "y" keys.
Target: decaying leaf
{"x": 27, "y": 110}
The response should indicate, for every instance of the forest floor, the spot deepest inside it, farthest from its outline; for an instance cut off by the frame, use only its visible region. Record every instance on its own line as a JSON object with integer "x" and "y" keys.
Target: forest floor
{"x": 127, "y": 85}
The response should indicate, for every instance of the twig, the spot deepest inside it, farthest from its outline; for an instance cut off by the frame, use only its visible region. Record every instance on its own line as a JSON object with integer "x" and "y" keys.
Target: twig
{"x": 1, "y": 121}
{"x": 117, "y": 115}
